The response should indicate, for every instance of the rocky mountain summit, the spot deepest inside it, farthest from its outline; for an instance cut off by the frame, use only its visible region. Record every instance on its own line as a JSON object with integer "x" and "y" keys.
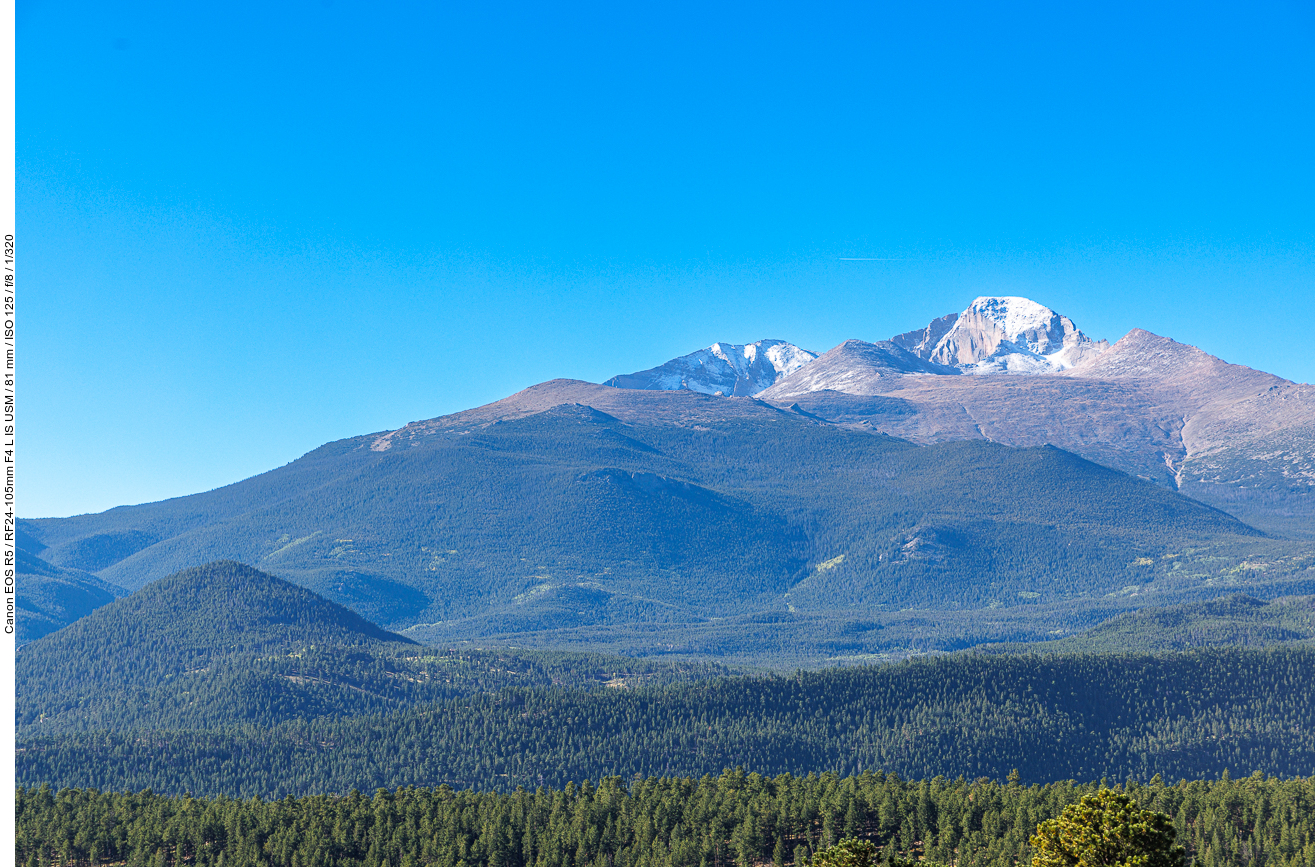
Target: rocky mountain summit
{"x": 1002, "y": 335}
{"x": 722, "y": 368}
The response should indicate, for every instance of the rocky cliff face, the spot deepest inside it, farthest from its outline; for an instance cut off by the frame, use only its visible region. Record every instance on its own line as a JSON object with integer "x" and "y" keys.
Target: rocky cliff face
{"x": 922, "y": 342}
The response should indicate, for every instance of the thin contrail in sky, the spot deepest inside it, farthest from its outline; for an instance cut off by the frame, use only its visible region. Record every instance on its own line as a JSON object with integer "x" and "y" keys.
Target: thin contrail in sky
{"x": 861, "y": 259}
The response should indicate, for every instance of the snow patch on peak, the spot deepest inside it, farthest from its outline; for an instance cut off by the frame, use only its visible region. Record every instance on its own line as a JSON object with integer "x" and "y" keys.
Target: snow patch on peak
{"x": 728, "y": 368}
{"x": 1016, "y": 315}
{"x": 786, "y": 358}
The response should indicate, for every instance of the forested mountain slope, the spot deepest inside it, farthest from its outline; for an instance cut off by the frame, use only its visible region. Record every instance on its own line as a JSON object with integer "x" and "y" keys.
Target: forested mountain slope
{"x": 1051, "y": 717}
{"x": 147, "y": 653}
{"x": 225, "y": 644}
{"x": 666, "y": 510}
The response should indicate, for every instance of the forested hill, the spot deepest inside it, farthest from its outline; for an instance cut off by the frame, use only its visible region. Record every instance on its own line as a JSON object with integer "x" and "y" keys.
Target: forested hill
{"x": 1237, "y": 620}
{"x": 1051, "y": 717}
{"x": 141, "y": 652}
{"x": 219, "y": 605}
{"x": 225, "y": 645}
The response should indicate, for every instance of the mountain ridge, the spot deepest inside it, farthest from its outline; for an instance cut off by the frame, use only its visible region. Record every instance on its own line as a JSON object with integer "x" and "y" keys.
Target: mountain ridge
{"x": 722, "y": 368}
{"x": 1238, "y": 438}
{"x": 50, "y": 597}
{"x": 1228, "y": 435}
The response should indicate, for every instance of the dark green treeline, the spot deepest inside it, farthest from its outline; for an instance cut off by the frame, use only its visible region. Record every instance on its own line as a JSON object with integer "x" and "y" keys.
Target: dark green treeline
{"x": 734, "y": 820}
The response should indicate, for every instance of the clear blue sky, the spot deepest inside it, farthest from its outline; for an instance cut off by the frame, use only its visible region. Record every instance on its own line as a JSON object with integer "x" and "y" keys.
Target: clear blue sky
{"x": 250, "y": 228}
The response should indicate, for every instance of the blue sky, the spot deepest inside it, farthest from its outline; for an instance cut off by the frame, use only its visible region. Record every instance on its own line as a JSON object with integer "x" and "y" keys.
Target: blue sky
{"x": 248, "y": 229}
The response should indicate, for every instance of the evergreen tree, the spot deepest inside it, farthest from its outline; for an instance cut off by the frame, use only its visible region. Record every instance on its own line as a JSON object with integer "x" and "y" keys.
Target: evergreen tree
{"x": 849, "y": 852}
{"x": 1106, "y": 829}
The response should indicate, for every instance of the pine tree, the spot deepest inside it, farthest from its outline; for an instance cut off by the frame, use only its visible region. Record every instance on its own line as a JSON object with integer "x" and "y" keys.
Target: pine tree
{"x": 1107, "y": 829}
{"x": 847, "y": 853}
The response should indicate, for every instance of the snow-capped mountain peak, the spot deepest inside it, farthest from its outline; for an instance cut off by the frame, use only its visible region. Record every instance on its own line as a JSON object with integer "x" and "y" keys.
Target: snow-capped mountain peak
{"x": 1016, "y": 315}
{"x": 1003, "y": 334}
{"x": 995, "y": 334}
{"x": 728, "y": 368}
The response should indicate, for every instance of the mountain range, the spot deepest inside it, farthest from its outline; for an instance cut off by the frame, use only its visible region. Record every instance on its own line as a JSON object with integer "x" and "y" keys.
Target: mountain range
{"x": 1225, "y": 434}
{"x": 996, "y": 476}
